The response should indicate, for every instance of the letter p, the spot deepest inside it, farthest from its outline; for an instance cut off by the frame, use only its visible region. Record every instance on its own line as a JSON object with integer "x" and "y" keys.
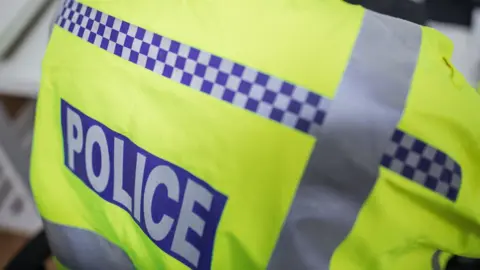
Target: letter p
{"x": 74, "y": 141}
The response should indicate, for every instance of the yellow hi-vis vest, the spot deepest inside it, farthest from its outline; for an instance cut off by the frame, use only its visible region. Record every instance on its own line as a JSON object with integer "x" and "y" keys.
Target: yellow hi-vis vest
{"x": 271, "y": 134}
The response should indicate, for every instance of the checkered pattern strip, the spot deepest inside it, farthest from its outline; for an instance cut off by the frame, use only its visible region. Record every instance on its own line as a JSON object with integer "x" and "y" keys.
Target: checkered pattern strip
{"x": 242, "y": 86}
{"x": 423, "y": 164}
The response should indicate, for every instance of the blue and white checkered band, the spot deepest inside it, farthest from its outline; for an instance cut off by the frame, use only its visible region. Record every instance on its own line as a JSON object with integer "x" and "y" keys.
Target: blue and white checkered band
{"x": 423, "y": 164}
{"x": 237, "y": 84}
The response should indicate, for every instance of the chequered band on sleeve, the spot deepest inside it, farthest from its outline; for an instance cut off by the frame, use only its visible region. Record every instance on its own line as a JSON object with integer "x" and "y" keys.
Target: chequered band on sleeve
{"x": 247, "y": 88}
{"x": 423, "y": 164}
{"x": 242, "y": 86}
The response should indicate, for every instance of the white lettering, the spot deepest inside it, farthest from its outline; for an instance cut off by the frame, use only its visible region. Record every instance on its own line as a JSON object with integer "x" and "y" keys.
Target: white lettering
{"x": 74, "y": 144}
{"x": 160, "y": 175}
{"x": 119, "y": 194}
{"x": 95, "y": 135}
{"x": 139, "y": 172}
{"x": 92, "y": 142}
{"x": 189, "y": 220}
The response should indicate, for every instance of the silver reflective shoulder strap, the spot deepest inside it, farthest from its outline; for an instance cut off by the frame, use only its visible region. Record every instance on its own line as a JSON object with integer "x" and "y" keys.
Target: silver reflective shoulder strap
{"x": 343, "y": 167}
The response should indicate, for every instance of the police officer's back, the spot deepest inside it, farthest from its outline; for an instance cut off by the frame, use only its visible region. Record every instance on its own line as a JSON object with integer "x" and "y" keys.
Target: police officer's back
{"x": 252, "y": 135}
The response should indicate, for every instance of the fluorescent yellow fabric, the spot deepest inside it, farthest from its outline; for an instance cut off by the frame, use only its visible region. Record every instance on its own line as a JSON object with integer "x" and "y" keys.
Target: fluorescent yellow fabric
{"x": 256, "y": 163}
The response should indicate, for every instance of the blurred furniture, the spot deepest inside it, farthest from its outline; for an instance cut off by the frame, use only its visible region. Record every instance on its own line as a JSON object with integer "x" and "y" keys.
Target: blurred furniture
{"x": 20, "y": 77}
{"x": 15, "y": 16}
{"x": 17, "y": 211}
{"x": 20, "y": 73}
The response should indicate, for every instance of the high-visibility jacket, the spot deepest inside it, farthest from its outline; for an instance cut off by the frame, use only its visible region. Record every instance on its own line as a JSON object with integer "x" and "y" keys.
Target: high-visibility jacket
{"x": 273, "y": 134}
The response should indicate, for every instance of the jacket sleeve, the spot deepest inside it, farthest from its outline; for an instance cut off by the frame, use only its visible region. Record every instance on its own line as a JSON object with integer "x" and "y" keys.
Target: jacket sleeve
{"x": 444, "y": 110}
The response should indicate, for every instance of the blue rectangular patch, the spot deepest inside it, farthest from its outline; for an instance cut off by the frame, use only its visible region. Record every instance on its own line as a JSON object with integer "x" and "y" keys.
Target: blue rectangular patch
{"x": 178, "y": 211}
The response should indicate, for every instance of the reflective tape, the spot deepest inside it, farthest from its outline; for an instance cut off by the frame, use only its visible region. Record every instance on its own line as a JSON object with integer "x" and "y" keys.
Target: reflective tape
{"x": 423, "y": 164}
{"x": 80, "y": 249}
{"x": 436, "y": 260}
{"x": 344, "y": 164}
{"x": 237, "y": 84}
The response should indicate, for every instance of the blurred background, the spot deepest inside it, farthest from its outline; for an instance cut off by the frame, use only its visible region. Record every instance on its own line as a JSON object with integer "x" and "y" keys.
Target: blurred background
{"x": 24, "y": 32}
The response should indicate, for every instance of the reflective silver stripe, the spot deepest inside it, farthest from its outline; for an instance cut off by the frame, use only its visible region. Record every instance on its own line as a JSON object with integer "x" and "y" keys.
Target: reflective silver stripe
{"x": 80, "y": 249}
{"x": 343, "y": 167}
{"x": 436, "y": 260}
